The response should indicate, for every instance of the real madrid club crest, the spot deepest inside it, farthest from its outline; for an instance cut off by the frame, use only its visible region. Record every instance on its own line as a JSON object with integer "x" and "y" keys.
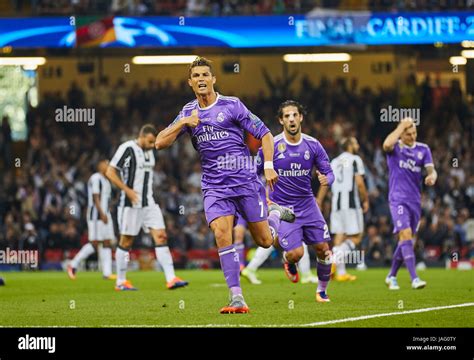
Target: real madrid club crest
{"x": 281, "y": 147}
{"x": 220, "y": 117}
{"x": 420, "y": 155}
{"x": 306, "y": 155}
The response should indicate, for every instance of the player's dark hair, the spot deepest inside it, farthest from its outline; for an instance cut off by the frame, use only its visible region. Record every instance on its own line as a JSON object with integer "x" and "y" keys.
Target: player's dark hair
{"x": 300, "y": 107}
{"x": 148, "y": 129}
{"x": 345, "y": 142}
{"x": 200, "y": 61}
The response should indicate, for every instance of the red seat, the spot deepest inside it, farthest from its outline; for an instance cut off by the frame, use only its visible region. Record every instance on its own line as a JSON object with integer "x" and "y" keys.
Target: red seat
{"x": 53, "y": 255}
{"x": 432, "y": 252}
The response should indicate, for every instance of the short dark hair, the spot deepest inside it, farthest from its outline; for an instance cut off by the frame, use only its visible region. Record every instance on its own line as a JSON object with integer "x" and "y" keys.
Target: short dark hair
{"x": 300, "y": 107}
{"x": 200, "y": 61}
{"x": 345, "y": 142}
{"x": 148, "y": 129}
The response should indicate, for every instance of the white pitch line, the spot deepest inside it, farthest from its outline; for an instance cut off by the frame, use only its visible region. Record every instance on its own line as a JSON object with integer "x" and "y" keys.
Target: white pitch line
{"x": 365, "y": 317}
{"x": 320, "y": 323}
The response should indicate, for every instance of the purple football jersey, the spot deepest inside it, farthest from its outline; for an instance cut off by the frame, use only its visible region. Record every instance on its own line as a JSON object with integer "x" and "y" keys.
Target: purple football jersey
{"x": 294, "y": 164}
{"x": 405, "y": 166}
{"x": 219, "y": 139}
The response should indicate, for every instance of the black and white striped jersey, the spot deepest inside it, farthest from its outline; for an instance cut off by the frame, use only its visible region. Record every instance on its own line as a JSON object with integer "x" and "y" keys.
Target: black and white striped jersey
{"x": 136, "y": 170}
{"x": 345, "y": 194}
{"x": 100, "y": 185}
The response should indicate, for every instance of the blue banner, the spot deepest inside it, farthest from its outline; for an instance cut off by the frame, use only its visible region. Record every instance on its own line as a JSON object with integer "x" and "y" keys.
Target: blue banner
{"x": 313, "y": 29}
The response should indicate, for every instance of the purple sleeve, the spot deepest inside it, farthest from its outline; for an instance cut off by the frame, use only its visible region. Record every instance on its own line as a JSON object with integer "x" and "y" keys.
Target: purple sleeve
{"x": 321, "y": 161}
{"x": 249, "y": 121}
{"x": 428, "y": 159}
{"x": 184, "y": 128}
{"x": 259, "y": 161}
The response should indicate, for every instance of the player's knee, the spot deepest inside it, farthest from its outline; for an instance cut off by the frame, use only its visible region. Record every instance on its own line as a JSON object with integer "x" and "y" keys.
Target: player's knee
{"x": 323, "y": 251}
{"x": 295, "y": 255}
{"x": 125, "y": 242}
{"x": 161, "y": 238}
{"x": 265, "y": 241}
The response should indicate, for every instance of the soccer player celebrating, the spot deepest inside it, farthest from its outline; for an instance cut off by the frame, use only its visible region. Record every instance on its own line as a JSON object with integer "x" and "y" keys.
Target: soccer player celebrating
{"x": 347, "y": 219}
{"x": 296, "y": 155}
{"x": 405, "y": 159}
{"x": 216, "y": 124}
{"x": 135, "y": 161}
{"x": 99, "y": 223}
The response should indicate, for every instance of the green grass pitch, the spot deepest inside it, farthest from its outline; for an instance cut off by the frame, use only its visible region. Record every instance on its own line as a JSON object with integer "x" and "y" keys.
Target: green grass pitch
{"x": 51, "y": 299}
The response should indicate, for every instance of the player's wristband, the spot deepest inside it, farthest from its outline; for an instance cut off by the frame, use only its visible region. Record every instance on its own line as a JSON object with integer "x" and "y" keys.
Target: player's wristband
{"x": 268, "y": 165}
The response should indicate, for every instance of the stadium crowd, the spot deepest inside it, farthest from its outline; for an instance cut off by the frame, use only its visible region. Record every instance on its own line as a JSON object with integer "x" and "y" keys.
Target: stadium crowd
{"x": 224, "y": 7}
{"x": 43, "y": 197}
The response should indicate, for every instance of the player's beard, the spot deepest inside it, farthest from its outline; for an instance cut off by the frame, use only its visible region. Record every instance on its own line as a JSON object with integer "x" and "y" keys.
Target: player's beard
{"x": 293, "y": 132}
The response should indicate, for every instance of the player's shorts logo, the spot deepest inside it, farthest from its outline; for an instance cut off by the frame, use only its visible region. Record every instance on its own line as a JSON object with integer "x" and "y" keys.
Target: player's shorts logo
{"x": 284, "y": 242}
{"x": 306, "y": 155}
{"x": 281, "y": 147}
{"x": 220, "y": 117}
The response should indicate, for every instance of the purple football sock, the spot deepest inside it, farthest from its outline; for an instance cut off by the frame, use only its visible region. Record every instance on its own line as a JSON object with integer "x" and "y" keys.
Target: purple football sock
{"x": 409, "y": 257}
{"x": 397, "y": 261}
{"x": 240, "y": 248}
{"x": 324, "y": 272}
{"x": 230, "y": 267}
{"x": 274, "y": 222}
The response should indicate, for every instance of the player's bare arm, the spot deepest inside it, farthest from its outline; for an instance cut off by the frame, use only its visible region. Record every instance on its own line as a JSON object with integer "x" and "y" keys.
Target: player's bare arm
{"x": 268, "y": 151}
{"x": 102, "y": 216}
{"x": 432, "y": 176}
{"x": 322, "y": 192}
{"x": 392, "y": 138}
{"x": 168, "y": 136}
{"x": 112, "y": 175}
{"x": 364, "y": 197}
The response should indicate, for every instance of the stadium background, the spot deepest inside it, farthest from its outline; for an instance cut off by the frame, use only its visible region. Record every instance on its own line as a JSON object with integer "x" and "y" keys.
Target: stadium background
{"x": 56, "y": 159}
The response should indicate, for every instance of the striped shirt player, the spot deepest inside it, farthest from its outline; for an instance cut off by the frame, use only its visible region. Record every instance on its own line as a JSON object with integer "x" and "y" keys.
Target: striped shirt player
{"x": 346, "y": 211}
{"x": 99, "y": 223}
{"x": 98, "y": 184}
{"x": 136, "y": 169}
{"x": 131, "y": 170}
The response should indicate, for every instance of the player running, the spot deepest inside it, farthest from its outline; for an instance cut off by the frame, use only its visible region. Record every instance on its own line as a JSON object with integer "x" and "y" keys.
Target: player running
{"x": 216, "y": 124}
{"x": 347, "y": 219}
{"x": 296, "y": 155}
{"x": 405, "y": 159}
{"x": 135, "y": 161}
{"x": 262, "y": 254}
{"x": 99, "y": 224}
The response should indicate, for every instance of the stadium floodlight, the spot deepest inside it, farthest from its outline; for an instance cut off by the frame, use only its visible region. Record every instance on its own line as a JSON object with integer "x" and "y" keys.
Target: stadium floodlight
{"x": 322, "y": 57}
{"x": 163, "y": 59}
{"x": 468, "y": 54}
{"x": 22, "y": 61}
{"x": 467, "y": 44}
{"x": 457, "y": 60}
